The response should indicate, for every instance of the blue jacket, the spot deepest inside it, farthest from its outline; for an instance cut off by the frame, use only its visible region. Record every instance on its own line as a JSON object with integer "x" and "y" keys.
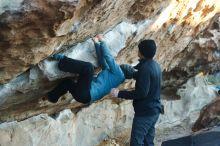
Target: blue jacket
{"x": 146, "y": 96}
{"x": 111, "y": 75}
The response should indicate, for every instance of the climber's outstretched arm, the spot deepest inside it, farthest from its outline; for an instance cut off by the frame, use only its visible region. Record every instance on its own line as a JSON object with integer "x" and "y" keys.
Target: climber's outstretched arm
{"x": 110, "y": 60}
{"x": 101, "y": 60}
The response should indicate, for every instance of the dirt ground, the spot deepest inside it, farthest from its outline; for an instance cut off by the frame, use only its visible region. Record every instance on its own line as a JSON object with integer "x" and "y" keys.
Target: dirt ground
{"x": 161, "y": 135}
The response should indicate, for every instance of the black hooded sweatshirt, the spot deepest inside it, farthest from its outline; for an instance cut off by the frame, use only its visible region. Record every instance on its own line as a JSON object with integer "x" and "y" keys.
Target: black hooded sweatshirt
{"x": 146, "y": 95}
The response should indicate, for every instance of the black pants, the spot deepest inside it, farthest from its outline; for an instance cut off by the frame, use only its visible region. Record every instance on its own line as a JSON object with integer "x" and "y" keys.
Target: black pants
{"x": 80, "y": 90}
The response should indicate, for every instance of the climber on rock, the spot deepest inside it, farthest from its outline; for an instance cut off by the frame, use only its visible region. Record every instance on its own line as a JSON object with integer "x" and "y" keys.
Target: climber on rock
{"x": 145, "y": 96}
{"x": 88, "y": 88}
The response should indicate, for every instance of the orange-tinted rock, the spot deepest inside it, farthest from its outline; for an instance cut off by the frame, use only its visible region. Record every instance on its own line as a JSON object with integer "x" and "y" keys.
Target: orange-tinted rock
{"x": 209, "y": 116}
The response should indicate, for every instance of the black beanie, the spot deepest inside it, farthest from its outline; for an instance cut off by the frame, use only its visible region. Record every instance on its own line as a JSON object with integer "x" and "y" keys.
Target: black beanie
{"x": 147, "y": 48}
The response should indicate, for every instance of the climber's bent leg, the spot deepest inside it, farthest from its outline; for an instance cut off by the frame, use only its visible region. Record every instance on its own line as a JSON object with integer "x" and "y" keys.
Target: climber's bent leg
{"x": 82, "y": 93}
{"x": 61, "y": 89}
{"x": 72, "y": 65}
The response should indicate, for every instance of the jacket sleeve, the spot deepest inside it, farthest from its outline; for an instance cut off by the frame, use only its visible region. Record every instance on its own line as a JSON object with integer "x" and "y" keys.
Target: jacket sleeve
{"x": 110, "y": 60}
{"x": 128, "y": 70}
{"x": 142, "y": 86}
{"x": 100, "y": 57}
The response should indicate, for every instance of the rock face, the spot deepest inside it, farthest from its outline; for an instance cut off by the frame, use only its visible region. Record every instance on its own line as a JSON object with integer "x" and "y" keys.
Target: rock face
{"x": 187, "y": 37}
{"x": 106, "y": 120}
{"x": 70, "y": 129}
{"x": 209, "y": 116}
{"x": 32, "y": 30}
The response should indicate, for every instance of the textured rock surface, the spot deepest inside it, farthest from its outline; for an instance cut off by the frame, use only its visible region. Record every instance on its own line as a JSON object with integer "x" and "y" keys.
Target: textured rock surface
{"x": 85, "y": 128}
{"x": 34, "y": 29}
{"x": 174, "y": 25}
{"x": 31, "y": 85}
{"x": 28, "y": 87}
{"x": 209, "y": 116}
{"x": 187, "y": 35}
{"x": 107, "y": 120}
